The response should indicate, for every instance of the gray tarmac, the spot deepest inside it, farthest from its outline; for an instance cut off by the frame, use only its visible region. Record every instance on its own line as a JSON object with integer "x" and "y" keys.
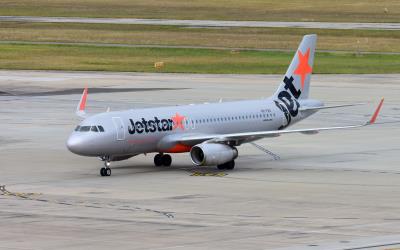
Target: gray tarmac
{"x": 335, "y": 190}
{"x": 205, "y": 23}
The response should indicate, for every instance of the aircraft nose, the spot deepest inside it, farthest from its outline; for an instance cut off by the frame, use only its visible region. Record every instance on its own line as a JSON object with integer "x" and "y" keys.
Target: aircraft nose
{"x": 74, "y": 144}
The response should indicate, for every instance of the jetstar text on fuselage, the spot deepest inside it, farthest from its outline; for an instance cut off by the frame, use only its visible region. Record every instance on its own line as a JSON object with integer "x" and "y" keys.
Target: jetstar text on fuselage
{"x": 150, "y": 126}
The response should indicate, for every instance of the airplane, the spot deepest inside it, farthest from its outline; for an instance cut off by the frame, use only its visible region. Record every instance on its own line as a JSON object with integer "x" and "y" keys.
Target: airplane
{"x": 211, "y": 132}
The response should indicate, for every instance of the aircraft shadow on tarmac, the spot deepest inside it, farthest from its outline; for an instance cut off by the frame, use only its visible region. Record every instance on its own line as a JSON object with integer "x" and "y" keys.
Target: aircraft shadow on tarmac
{"x": 246, "y": 163}
{"x": 260, "y": 162}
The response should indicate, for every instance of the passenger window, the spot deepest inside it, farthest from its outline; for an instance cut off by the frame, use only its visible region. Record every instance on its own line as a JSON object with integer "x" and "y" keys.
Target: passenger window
{"x": 84, "y": 129}
{"x": 77, "y": 128}
{"x": 101, "y": 129}
{"x": 94, "y": 129}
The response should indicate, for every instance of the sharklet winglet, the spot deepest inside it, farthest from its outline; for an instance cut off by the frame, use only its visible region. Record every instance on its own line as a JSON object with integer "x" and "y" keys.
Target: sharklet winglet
{"x": 376, "y": 113}
{"x": 82, "y": 103}
{"x": 80, "y": 109}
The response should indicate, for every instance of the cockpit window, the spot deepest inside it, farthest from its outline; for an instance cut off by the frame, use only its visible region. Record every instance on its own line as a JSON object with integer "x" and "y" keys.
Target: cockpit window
{"x": 101, "y": 128}
{"x": 84, "y": 129}
{"x": 95, "y": 129}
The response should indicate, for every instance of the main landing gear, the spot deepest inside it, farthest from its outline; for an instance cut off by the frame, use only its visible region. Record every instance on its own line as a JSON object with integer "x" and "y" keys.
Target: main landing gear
{"x": 106, "y": 170}
{"x": 228, "y": 165}
{"x": 162, "y": 160}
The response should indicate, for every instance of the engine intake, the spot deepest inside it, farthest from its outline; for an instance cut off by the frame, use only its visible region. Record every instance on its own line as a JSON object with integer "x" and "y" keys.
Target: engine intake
{"x": 209, "y": 154}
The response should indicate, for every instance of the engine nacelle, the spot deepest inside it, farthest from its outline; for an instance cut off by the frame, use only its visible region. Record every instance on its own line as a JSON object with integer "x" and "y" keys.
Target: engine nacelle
{"x": 209, "y": 154}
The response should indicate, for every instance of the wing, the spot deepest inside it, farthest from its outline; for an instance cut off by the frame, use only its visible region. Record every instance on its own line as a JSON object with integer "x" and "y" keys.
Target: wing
{"x": 304, "y": 108}
{"x": 239, "y": 138}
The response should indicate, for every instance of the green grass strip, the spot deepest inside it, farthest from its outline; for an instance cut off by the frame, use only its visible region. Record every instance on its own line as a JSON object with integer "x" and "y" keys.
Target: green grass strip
{"x": 92, "y": 58}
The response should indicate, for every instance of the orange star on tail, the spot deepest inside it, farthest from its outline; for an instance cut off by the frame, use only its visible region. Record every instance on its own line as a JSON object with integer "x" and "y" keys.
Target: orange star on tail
{"x": 303, "y": 68}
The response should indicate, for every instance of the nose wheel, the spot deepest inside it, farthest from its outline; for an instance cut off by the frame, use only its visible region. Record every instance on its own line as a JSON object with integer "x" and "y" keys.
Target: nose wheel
{"x": 106, "y": 170}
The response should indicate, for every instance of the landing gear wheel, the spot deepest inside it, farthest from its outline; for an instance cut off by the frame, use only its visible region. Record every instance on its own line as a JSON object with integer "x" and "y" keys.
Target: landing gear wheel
{"x": 230, "y": 165}
{"x": 105, "y": 171}
{"x": 166, "y": 160}
{"x": 222, "y": 166}
{"x": 158, "y": 160}
{"x": 108, "y": 172}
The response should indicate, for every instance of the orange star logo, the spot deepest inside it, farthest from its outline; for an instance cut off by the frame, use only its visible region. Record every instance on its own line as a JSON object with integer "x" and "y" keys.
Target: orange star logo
{"x": 178, "y": 121}
{"x": 303, "y": 68}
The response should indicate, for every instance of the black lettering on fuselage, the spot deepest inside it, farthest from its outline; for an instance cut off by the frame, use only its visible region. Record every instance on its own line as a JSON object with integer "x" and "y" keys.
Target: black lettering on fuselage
{"x": 158, "y": 123}
{"x": 286, "y": 98}
{"x": 165, "y": 124}
{"x": 171, "y": 124}
{"x": 131, "y": 129}
{"x": 139, "y": 127}
{"x": 285, "y": 113}
{"x": 150, "y": 126}
{"x": 146, "y": 129}
{"x": 288, "y": 103}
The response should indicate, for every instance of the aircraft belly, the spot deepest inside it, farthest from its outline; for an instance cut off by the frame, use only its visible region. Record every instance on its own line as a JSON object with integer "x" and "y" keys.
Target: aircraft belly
{"x": 143, "y": 143}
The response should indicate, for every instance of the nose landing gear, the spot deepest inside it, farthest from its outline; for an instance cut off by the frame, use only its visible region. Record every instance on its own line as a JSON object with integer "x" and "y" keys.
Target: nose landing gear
{"x": 106, "y": 170}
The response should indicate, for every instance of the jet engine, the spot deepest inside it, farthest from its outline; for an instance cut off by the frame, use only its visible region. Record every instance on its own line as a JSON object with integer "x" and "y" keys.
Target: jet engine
{"x": 209, "y": 154}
